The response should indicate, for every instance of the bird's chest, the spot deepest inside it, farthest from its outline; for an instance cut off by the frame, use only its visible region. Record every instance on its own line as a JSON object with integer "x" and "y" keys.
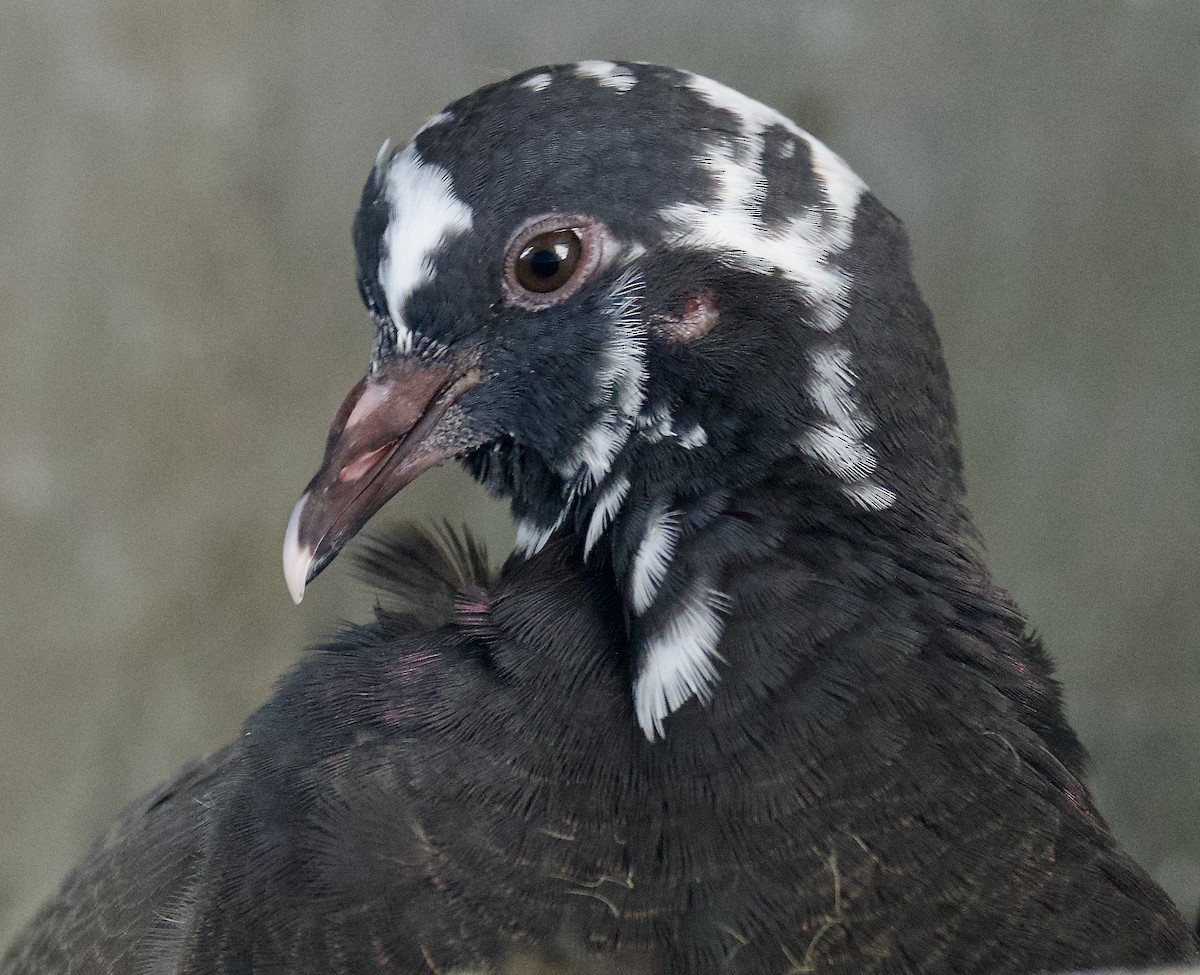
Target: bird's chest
{"x": 646, "y": 888}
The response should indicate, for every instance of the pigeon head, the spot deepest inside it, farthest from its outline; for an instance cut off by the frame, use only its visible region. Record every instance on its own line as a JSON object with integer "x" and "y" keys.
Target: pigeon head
{"x": 623, "y": 294}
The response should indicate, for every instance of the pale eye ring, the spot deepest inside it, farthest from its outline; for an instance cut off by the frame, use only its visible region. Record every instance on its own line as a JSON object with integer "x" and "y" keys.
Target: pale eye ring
{"x": 550, "y": 257}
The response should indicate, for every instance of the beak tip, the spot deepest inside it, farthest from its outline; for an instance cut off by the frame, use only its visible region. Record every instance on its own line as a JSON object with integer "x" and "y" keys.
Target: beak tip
{"x": 295, "y": 586}
{"x": 297, "y": 558}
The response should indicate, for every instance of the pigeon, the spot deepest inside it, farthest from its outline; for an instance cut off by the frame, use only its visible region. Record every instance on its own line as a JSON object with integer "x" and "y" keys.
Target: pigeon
{"x": 744, "y": 699}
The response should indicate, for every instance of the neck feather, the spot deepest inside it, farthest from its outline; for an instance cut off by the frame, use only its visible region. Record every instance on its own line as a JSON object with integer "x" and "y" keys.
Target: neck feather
{"x": 723, "y": 592}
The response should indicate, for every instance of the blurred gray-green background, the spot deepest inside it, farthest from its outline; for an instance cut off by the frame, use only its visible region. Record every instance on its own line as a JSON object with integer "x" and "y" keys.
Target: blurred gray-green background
{"x": 178, "y": 322}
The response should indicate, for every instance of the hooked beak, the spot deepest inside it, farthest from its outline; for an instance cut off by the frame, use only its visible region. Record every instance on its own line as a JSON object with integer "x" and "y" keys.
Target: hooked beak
{"x": 387, "y": 432}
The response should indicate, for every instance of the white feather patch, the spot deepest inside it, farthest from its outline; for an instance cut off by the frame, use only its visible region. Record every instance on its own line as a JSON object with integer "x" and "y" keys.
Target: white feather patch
{"x": 606, "y": 73}
{"x": 607, "y": 505}
{"x": 623, "y": 370}
{"x": 435, "y": 120}
{"x": 620, "y": 385}
{"x": 832, "y": 389}
{"x": 653, "y": 559}
{"x": 799, "y": 247}
{"x": 532, "y": 537}
{"x": 839, "y": 451}
{"x": 425, "y": 213}
{"x": 680, "y": 661}
{"x": 598, "y": 447}
{"x": 873, "y": 497}
{"x": 656, "y": 424}
{"x": 537, "y": 82}
{"x": 840, "y": 445}
{"x": 695, "y": 437}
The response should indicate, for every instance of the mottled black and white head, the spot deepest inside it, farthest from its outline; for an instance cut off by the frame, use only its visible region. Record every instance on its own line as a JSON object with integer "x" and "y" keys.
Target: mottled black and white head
{"x": 625, "y": 295}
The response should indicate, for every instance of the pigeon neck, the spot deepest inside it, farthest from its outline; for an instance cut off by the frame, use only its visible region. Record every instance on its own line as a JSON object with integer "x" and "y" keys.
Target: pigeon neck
{"x": 731, "y": 594}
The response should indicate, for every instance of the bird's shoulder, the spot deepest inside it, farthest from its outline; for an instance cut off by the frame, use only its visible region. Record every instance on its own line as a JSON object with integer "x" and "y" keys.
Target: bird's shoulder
{"x": 132, "y": 896}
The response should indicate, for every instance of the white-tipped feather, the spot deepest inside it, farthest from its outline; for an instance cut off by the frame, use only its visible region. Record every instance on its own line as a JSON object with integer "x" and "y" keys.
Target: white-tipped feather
{"x": 872, "y": 497}
{"x": 840, "y": 445}
{"x": 433, "y": 121}
{"x": 680, "y": 661}
{"x": 537, "y": 82}
{"x": 607, "y": 505}
{"x": 607, "y": 74}
{"x": 655, "y": 424}
{"x": 843, "y": 188}
{"x": 839, "y": 451}
{"x": 623, "y": 370}
{"x": 653, "y": 559}
{"x": 592, "y": 458}
{"x": 620, "y": 385}
{"x": 832, "y": 389}
{"x": 695, "y": 436}
{"x": 532, "y": 536}
{"x": 425, "y": 213}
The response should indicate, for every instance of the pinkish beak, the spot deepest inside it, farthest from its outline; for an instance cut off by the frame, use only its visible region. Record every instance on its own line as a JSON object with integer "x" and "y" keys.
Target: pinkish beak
{"x": 387, "y": 432}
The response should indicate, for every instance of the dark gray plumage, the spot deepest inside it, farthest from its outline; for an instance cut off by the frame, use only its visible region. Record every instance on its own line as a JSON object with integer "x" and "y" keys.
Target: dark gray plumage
{"x": 745, "y": 701}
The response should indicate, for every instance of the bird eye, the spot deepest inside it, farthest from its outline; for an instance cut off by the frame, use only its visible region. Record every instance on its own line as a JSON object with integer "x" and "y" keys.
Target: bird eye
{"x": 547, "y": 262}
{"x": 550, "y": 257}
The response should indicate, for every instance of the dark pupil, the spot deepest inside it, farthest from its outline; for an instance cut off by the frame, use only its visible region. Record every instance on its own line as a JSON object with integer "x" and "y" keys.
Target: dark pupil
{"x": 544, "y": 263}
{"x": 548, "y": 261}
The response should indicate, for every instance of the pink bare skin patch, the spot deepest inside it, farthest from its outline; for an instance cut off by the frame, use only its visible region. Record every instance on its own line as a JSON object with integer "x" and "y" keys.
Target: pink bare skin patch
{"x": 698, "y": 318}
